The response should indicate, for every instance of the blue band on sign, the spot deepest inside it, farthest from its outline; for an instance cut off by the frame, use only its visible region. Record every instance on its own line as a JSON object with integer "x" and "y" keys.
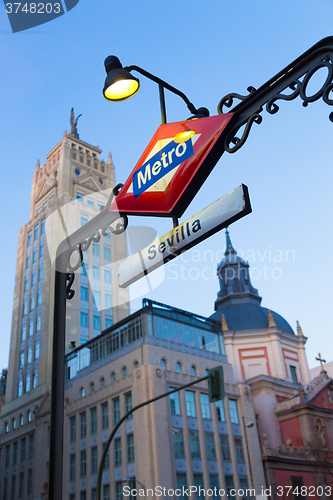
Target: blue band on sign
{"x": 160, "y": 164}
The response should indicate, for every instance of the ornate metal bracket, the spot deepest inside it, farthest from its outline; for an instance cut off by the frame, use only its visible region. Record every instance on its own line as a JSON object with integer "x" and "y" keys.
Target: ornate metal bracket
{"x": 295, "y": 78}
{"x": 116, "y": 227}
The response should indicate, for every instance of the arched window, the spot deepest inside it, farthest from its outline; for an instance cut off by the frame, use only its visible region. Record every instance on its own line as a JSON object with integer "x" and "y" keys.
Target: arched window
{"x": 6, "y": 427}
{"x": 163, "y": 363}
{"x": 178, "y": 368}
{"x": 206, "y": 372}
{"x": 113, "y": 377}
{"x": 135, "y": 365}
{"x": 14, "y": 423}
{"x": 82, "y": 392}
{"x": 92, "y": 386}
{"x": 124, "y": 371}
{"x": 21, "y": 420}
{"x": 102, "y": 382}
{"x": 29, "y": 416}
{"x": 193, "y": 371}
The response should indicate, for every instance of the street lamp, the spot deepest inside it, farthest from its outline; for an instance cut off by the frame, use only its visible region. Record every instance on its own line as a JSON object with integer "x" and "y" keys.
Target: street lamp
{"x": 120, "y": 85}
{"x": 248, "y": 425}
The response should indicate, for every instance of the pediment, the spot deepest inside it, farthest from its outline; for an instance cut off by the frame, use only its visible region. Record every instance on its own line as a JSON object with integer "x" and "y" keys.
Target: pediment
{"x": 45, "y": 187}
{"x": 88, "y": 181}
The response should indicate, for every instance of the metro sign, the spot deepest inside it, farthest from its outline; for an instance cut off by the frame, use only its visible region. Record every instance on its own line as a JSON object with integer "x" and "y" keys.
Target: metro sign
{"x": 173, "y": 167}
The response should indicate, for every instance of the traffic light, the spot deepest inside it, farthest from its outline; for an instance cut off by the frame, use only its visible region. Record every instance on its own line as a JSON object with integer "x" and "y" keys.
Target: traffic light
{"x": 216, "y": 384}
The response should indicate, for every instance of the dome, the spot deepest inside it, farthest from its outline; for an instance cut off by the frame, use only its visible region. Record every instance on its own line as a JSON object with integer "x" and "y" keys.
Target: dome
{"x": 238, "y": 300}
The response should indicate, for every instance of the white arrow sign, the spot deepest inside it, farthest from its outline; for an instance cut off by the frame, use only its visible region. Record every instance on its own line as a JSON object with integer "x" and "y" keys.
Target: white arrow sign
{"x": 216, "y": 216}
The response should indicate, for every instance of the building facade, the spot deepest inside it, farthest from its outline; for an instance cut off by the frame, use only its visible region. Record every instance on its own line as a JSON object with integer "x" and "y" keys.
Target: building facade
{"x": 294, "y": 415}
{"x": 67, "y": 191}
{"x": 180, "y": 440}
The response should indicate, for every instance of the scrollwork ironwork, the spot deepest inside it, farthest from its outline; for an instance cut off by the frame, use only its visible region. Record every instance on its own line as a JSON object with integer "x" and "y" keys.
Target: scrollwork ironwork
{"x": 295, "y": 77}
{"x": 69, "y": 292}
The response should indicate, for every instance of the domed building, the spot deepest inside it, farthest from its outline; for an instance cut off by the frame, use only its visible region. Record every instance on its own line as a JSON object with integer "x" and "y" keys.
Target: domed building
{"x": 294, "y": 417}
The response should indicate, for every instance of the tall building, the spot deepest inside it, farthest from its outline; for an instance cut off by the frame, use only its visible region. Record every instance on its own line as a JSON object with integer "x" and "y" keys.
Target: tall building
{"x": 179, "y": 441}
{"x": 67, "y": 191}
{"x": 294, "y": 414}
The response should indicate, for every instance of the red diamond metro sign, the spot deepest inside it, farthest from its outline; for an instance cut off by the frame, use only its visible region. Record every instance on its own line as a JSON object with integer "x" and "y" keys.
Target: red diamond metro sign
{"x": 173, "y": 167}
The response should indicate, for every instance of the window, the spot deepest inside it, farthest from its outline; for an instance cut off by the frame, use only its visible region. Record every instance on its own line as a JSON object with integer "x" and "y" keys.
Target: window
{"x": 178, "y": 443}
{"x": 107, "y": 276}
{"x": 23, "y": 441}
{"x": 128, "y": 404}
{"x": 113, "y": 377}
{"x": 214, "y": 483}
{"x": 25, "y": 307}
{"x": 83, "y": 463}
{"x": 29, "y": 238}
{"x": 105, "y": 416}
{"x": 239, "y": 451}
{"x": 181, "y": 484}
{"x": 28, "y": 261}
{"x": 26, "y": 284}
{"x": 233, "y": 411}
{"x": 83, "y": 495}
{"x": 41, "y": 251}
{"x": 37, "y": 350}
{"x": 116, "y": 410}
{"x": 106, "y": 492}
{"x": 72, "y": 467}
{"x": 95, "y": 249}
{"x": 108, "y": 300}
{"x": 163, "y": 363}
{"x": 32, "y": 303}
{"x": 83, "y": 220}
{"x": 210, "y": 446}
{"x": 124, "y": 371}
{"x": 29, "y": 482}
{"x": 117, "y": 452}
{"x": 72, "y": 427}
{"x": 91, "y": 202}
{"x": 84, "y": 293}
{"x": 293, "y": 374}
{"x": 79, "y": 196}
{"x": 102, "y": 382}
{"x": 93, "y": 420}
{"x": 7, "y": 459}
{"x": 220, "y": 411}
{"x": 96, "y": 273}
{"x": 178, "y": 368}
{"x": 27, "y": 383}
{"x": 5, "y": 488}
{"x": 21, "y": 484}
{"x": 194, "y": 444}
{"x": 229, "y": 482}
{"x": 38, "y": 322}
{"x": 24, "y": 332}
{"x": 39, "y": 297}
{"x": 34, "y": 256}
{"x": 119, "y": 490}
{"x": 175, "y": 404}
{"x": 42, "y": 227}
{"x": 108, "y": 322}
{"x": 225, "y": 448}
{"x": 107, "y": 253}
{"x": 96, "y": 322}
{"x": 205, "y": 406}
{"x": 136, "y": 365}
{"x": 40, "y": 275}
{"x": 29, "y": 356}
{"x": 29, "y": 416}
{"x": 94, "y": 460}
{"x": 83, "y": 424}
{"x": 33, "y": 279}
{"x": 97, "y": 296}
{"x": 193, "y": 371}
{"x": 15, "y": 450}
{"x": 106, "y": 464}
{"x": 31, "y": 446}
{"x": 20, "y": 388}
{"x": 36, "y": 233}
{"x": 198, "y": 482}
{"x": 190, "y": 404}
{"x": 21, "y": 360}
{"x": 31, "y": 327}
{"x": 21, "y": 420}
{"x": 130, "y": 448}
{"x": 35, "y": 378}
{"x": 84, "y": 319}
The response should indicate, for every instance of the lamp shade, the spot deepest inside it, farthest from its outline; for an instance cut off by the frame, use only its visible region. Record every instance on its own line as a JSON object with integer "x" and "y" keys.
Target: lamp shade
{"x": 119, "y": 83}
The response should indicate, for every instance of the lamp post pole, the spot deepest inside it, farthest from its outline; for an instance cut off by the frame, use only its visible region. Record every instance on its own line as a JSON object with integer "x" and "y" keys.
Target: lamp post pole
{"x": 247, "y": 426}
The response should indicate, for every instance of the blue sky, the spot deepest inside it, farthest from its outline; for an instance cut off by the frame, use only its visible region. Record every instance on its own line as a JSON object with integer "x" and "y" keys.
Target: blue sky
{"x": 206, "y": 49}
